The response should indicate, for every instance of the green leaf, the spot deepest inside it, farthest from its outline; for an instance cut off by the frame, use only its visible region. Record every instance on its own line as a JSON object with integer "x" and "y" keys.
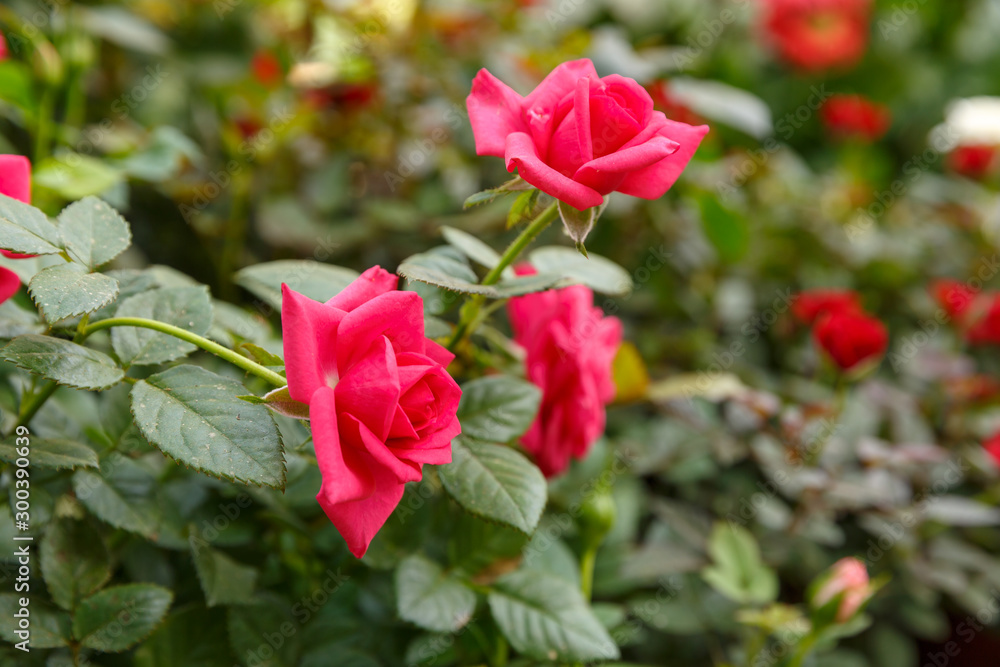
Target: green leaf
{"x": 121, "y": 495}
{"x": 94, "y": 232}
{"x": 67, "y": 290}
{"x": 195, "y": 417}
{"x": 598, "y": 273}
{"x": 223, "y": 580}
{"x": 248, "y": 625}
{"x": 120, "y": 617}
{"x": 522, "y": 207}
{"x": 25, "y": 229}
{"x": 53, "y": 454}
{"x": 496, "y": 483}
{"x": 546, "y": 618}
{"x": 192, "y": 636}
{"x": 317, "y": 281}
{"x": 474, "y": 249}
{"x": 281, "y": 401}
{"x": 75, "y": 176}
{"x": 521, "y": 285}
{"x": 516, "y": 184}
{"x": 725, "y": 229}
{"x": 445, "y": 267}
{"x": 63, "y": 361}
{"x": 189, "y": 308}
{"x": 498, "y": 408}
{"x": 738, "y": 572}
{"x": 429, "y": 597}
{"x": 50, "y": 628}
{"x": 262, "y": 356}
{"x": 74, "y": 561}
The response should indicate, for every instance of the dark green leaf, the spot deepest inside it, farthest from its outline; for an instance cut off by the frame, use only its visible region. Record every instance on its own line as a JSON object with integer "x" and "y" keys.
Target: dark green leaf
{"x": 546, "y": 618}
{"x": 431, "y": 598}
{"x": 66, "y": 290}
{"x": 248, "y": 626}
{"x": 121, "y": 495}
{"x": 93, "y": 232}
{"x": 50, "y": 628}
{"x": 189, "y": 308}
{"x": 727, "y": 230}
{"x": 120, "y": 617}
{"x": 63, "y": 361}
{"x": 53, "y": 454}
{"x": 495, "y": 482}
{"x": 190, "y": 637}
{"x": 25, "y": 229}
{"x": 195, "y": 417}
{"x": 443, "y": 267}
{"x": 74, "y": 561}
{"x": 223, "y": 580}
{"x": 498, "y": 408}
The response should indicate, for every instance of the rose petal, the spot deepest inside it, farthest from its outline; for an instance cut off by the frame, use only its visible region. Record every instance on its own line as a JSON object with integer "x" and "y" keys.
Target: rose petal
{"x": 654, "y": 181}
{"x": 399, "y": 316}
{"x": 522, "y": 156}
{"x": 370, "y": 284}
{"x": 370, "y": 390}
{"x": 15, "y": 177}
{"x": 309, "y": 329}
{"x": 558, "y": 84}
{"x": 494, "y": 112}
{"x": 605, "y": 174}
{"x": 9, "y": 284}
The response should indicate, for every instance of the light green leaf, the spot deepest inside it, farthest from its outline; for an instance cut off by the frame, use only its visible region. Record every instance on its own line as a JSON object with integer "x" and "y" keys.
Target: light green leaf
{"x": 67, "y": 290}
{"x": 546, "y": 618}
{"x": 431, "y": 598}
{"x": 25, "y": 229}
{"x": 737, "y": 570}
{"x": 728, "y": 231}
{"x": 579, "y": 223}
{"x": 195, "y": 417}
{"x": 53, "y": 454}
{"x": 522, "y": 207}
{"x": 317, "y": 281}
{"x": 598, "y": 273}
{"x": 94, "y": 232}
{"x": 120, "y": 495}
{"x": 75, "y": 176}
{"x": 521, "y": 285}
{"x": 189, "y": 308}
{"x": 474, "y": 249}
{"x": 445, "y": 267}
{"x": 74, "y": 561}
{"x": 120, "y": 617}
{"x": 223, "y": 580}
{"x": 496, "y": 483}
{"x": 63, "y": 361}
{"x": 498, "y": 408}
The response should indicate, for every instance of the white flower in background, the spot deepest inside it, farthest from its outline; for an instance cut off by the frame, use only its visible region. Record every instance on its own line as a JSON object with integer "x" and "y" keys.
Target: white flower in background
{"x": 973, "y": 121}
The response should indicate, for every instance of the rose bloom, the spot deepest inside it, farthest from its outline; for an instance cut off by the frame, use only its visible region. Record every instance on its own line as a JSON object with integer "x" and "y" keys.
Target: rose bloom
{"x": 570, "y": 347}
{"x": 817, "y": 34}
{"x": 850, "y": 338}
{"x": 974, "y": 161}
{"x": 810, "y": 305}
{"x": 972, "y": 126}
{"x": 848, "y": 578}
{"x": 381, "y": 403}
{"x": 579, "y": 137}
{"x": 985, "y": 329}
{"x": 15, "y": 182}
{"x": 954, "y": 297}
{"x": 266, "y": 68}
{"x": 855, "y": 117}
{"x": 992, "y": 447}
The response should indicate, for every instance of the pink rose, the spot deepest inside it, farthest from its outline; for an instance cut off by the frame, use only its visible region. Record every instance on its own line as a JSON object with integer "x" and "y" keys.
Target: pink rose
{"x": 15, "y": 182}
{"x": 847, "y": 578}
{"x": 381, "y": 403}
{"x": 570, "y": 347}
{"x": 579, "y": 137}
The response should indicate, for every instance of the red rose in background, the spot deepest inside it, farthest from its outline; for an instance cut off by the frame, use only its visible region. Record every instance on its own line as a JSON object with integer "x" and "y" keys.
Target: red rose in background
{"x": 974, "y": 161}
{"x": 855, "y": 117}
{"x": 817, "y": 34}
{"x": 851, "y": 338}
{"x": 381, "y": 403}
{"x": 954, "y": 297}
{"x": 579, "y": 137}
{"x": 809, "y": 306}
{"x": 992, "y": 447}
{"x": 986, "y": 329}
{"x": 570, "y": 348}
{"x": 3, "y": 47}
{"x": 15, "y": 182}
{"x": 266, "y": 68}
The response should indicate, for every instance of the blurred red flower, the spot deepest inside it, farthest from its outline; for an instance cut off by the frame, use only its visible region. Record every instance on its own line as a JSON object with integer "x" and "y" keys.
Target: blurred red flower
{"x": 266, "y": 68}
{"x": 817, "y": 34}
{"x": 973, "y": 161}
{"x": 992, "y": 447}
{"x": 986, "y": 329}
{"x": 811, "y": 305}
{"x": 953, "y": 296}
{"x": 856, "y": 117}
{"x": 3, "y": 47}
{"x": 851, "y": 338}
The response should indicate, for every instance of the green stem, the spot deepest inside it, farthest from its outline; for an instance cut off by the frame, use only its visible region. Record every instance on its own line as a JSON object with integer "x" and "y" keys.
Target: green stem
{"x": 470, "y": 312}
{"x": 209, "y": 346}
{"x": 805, "y": 646}
{"x": 502, "y": 652}
{"x": 29, "y": 408}
{"x": 587, "y": 561}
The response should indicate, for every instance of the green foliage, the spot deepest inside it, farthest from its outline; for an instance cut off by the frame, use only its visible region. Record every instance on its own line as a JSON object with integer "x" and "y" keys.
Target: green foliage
{"x": 93, "y": 232}
{"x": 119, "y": 617}
{"x": 74, "y": 562}
{"x": 432, "y": 598}
{"x": 498, "y": 408}
{"x": 737, "y": 570}
{"x": 25, "y": 229}
{"x": 67, "y": 290}
{"x": 189, "y": 308}
{"x": 63, "y": 361}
